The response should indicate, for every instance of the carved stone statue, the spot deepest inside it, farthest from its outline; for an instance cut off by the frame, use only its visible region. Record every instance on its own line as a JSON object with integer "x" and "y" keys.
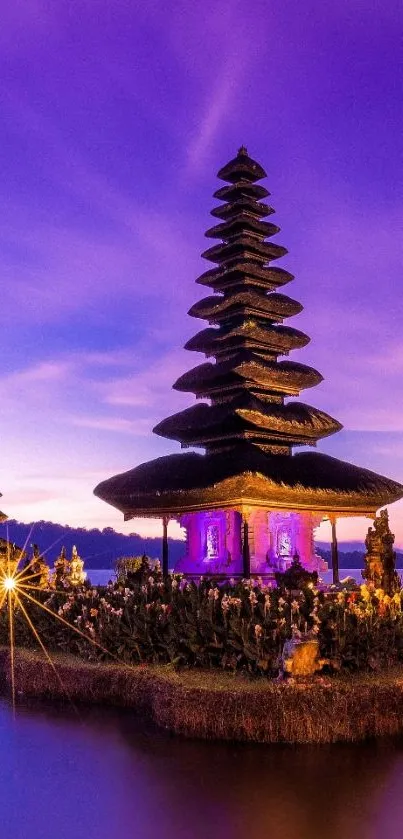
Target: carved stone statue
{"x": 380, "y": 559}
{"x": 77, "y": 574}
{"x": 38, "y": 569}
{"x": 61, "y": 570}
{"x": 10, "y": 556}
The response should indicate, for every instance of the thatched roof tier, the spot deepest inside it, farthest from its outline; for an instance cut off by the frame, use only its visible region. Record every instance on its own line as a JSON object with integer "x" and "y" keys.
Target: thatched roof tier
{"x": 181, "y": 483}
{"x": 245, "y": 247}
{"x": 248, "y": 371}
{"x": 247, "y": 418}
{"x": 244, "y": 274}
{"x": 246, "y": 204}
{"x": 242, "y": 167}
{"x": 248, "y": 334}
{"x": 248, "y": 303}
{"x": 242, "y": 189}
{"x": 242, "y": 222}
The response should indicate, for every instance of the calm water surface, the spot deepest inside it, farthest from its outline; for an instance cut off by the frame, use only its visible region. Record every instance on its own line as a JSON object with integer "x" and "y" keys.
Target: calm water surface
{"x": 107, "y": 775}
{"x": 100, "y": 576}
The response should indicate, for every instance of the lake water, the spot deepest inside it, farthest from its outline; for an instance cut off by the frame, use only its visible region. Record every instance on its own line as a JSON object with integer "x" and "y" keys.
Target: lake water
{"x": 101, "y": 576}
{"x": 107, "y": 775}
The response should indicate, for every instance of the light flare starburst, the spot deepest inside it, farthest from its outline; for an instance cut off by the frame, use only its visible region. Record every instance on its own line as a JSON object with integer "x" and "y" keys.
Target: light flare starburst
{"x": 16, "y": 586}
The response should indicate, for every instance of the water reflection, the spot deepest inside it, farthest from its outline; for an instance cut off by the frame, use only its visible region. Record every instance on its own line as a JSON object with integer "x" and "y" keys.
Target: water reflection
{"x": 110, "y": 776}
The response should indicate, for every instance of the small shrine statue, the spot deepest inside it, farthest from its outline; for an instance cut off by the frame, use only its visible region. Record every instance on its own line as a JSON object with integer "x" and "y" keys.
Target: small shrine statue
{"x": 380, "y": 558}
{"x": 38, "y": 569}
{"x": 10, "y": 557}
{"x": 77, "y": 574}
{"x": 61, "y": 570}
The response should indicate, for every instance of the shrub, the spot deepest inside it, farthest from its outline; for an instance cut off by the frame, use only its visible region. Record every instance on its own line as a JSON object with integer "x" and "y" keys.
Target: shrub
{"x": 234, "y": 626}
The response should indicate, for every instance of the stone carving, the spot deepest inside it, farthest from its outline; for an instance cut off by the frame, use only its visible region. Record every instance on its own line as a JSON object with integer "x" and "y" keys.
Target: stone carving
{"x": 69, "y": 572}
{"x": 61, "y": 570}
{"x": 38, "y": 569}
{"x": 380, "y": 558}
{"x": 77, "y": 574}
{"x": 301, "y": 658}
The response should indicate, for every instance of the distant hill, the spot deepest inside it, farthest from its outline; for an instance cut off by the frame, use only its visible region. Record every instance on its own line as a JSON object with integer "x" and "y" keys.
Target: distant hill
{"x": 98, "y": 548}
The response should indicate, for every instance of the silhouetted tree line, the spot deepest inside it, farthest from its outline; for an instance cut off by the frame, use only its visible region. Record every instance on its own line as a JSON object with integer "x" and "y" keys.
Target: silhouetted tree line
{"x": 353, "y": 559}
{"x": 98, "y": 548}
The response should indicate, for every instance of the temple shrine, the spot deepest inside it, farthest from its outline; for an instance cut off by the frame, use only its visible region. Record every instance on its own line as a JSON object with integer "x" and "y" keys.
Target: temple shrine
{"x": 3, "y": 516}
{"x": 249, "y": 504}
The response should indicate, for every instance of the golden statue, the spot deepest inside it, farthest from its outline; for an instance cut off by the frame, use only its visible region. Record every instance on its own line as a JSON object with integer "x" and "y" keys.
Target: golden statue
{"x": 10, "y": 556}
{"x": 77, "y": 574}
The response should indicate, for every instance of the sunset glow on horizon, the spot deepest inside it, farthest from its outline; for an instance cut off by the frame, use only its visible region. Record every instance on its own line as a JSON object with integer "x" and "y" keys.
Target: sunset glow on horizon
{"x": 113, "y": 129}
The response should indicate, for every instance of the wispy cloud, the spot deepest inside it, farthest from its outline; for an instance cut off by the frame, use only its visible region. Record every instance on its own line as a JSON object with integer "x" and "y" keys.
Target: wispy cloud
{"x": 117, "y": 425}
{"x": 149, "y": 386}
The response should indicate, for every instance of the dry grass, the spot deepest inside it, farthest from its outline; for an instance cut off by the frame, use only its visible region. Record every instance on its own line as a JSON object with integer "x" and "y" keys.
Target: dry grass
{"x": 216, "y": 705}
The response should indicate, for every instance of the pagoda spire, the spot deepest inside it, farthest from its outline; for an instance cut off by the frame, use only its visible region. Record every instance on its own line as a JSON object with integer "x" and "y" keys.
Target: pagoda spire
{"x": 246, "y": 384}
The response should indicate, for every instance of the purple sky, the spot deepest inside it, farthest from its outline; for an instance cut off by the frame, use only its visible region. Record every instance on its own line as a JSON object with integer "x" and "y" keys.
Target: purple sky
{"x": 115, "y": 118}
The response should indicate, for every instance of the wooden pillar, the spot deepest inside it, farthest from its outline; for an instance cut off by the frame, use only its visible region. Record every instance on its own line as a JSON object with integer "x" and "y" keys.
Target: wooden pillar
{"x": 245, "y": 548}
{"x": 335, "y": 553}
{"x": 165, "y": 521}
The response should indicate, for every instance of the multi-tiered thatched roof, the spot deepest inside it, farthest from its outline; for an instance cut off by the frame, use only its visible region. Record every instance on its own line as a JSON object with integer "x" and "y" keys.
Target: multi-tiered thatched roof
{"x": 247, "y": 427}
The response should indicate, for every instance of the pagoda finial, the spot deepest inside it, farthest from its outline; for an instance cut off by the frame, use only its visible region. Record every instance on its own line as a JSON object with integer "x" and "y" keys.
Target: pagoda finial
{"x": 243, "y": 151}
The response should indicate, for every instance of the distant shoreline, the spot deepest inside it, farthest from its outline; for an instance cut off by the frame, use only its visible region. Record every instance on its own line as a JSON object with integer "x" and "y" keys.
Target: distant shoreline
{"x": 218, "y": 706}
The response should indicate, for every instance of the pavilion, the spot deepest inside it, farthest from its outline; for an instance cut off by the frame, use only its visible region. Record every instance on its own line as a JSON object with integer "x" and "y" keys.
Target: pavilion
{"x": 248, "y": 504}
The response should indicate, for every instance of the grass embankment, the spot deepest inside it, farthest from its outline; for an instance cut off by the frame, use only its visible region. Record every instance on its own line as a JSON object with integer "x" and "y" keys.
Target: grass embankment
{"x": 215, "y": 705}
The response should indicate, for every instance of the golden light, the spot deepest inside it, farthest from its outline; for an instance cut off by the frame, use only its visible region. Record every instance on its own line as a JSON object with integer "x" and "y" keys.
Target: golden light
{"x": 9, "y": 583}
{"x": 21, "y": 584}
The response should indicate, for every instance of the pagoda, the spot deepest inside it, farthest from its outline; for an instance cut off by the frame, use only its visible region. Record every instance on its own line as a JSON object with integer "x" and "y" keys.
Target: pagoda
{"x": 248, "y": 504}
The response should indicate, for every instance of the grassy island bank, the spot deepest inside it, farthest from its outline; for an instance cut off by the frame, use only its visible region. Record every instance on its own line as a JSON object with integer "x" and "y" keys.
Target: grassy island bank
{"x": 214, "y": 705}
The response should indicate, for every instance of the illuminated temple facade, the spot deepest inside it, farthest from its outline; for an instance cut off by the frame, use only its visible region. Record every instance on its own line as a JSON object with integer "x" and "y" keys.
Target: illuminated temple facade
{"x": 248, "y": 504}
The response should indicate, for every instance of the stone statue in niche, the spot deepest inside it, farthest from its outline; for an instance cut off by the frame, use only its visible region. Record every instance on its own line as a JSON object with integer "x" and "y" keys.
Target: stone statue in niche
{"x": 284, "y": 545}
{"x": 213, "y": 541}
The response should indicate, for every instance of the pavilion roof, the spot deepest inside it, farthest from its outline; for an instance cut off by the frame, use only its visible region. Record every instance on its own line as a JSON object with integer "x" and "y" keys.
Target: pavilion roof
{"x": 308, "y": 480}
